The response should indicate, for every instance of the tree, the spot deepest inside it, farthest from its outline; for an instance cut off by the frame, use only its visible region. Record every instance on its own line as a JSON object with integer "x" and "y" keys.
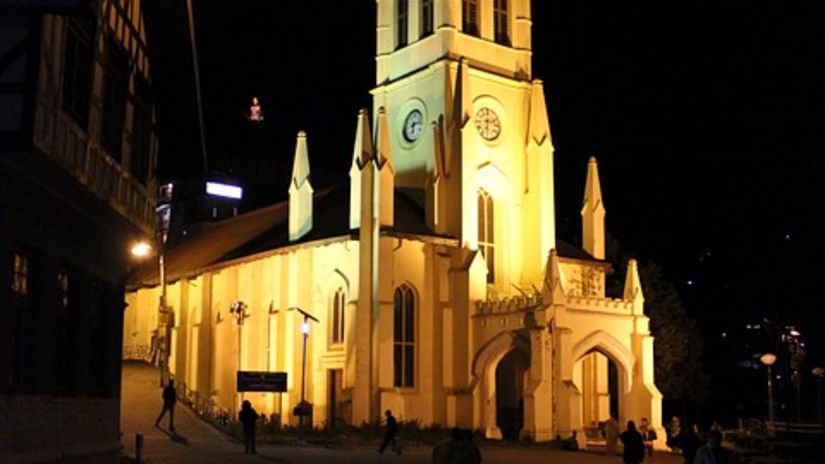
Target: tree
{"x": 678, "y": 348}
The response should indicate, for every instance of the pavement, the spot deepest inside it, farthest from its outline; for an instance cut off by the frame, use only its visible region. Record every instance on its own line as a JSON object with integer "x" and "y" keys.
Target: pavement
{"x": 197, "y": 442}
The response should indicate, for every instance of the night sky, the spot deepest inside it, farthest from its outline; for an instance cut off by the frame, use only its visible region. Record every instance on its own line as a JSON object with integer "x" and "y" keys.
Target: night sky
{"x": 707, "y": 118}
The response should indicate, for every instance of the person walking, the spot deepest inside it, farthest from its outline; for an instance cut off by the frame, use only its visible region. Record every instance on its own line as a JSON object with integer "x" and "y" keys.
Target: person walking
{"x": 688, "y": 441}
{"x": 392, "y": 431}
{"x": 634, "y": 447}
{"x": 712, "y": 452}
{"x": 648, "y": 435}
{"x": 248, "y": 418}
{"x": 169, "y": 397}
{"x": 611, "y": 434}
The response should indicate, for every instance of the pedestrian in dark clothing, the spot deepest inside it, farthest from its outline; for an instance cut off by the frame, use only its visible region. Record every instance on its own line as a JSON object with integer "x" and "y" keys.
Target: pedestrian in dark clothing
{"x": 169, "y": 397}
{"x": 248, "y": 417}
{"x": 634, "y": 447}
{"x": 712, "y": 451}
{"x": 688, "y": 441}
{"x": 392, "y": 431}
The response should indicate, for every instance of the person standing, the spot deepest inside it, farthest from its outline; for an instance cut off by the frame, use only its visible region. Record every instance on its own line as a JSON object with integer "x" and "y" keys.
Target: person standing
{"x": 169, "y": 397}
{"x": 392, "y": 431}
{"x": 688, "y": 441}
{"x": 712, "y": 452}
{"x": 634, "y": 448}
{"x": 611, "y": 434}
{"x": 248, "y": 417}
{"x": 648, "y": 435}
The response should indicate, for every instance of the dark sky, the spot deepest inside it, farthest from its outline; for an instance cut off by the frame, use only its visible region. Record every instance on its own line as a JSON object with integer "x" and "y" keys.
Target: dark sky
{"x": 707, "y": 118}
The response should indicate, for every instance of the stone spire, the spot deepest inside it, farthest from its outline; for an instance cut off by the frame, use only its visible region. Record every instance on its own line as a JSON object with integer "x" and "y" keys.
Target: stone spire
{"x": 362, "y": 154}
{"x": 300, "y": 191}
{"x": 384, "y": 195}
{"x": 633, "y": 287}
{"x": 539, "y": 201}
{"x": 593, "y": 212}
{"x": 553, "y": 290}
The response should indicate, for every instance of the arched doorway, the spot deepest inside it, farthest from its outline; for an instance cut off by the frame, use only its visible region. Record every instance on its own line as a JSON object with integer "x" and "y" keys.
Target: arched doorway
{"x": 510, "y": 382}
{"x": 598, "y": 378}
{"x": 602, "y": 376}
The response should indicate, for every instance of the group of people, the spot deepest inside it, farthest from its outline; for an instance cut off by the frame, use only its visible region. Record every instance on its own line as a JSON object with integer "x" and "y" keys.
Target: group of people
{"x": 460, "y": 448}
{"x": 683, "y": 437}
{"x": 636, "y": 441}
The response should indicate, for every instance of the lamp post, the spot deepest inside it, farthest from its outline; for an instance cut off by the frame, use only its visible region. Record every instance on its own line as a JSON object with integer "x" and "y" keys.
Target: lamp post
{"x": 819, "y": 372}
{"x": 143, "y": 249}
{"x": 768, "y": 359}
{"x": 238, "y": 310}
{"x": 305, "y": 333}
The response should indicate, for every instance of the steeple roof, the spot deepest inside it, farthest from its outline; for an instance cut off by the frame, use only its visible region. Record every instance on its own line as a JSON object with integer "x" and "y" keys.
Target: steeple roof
{"x": 300, "y": 163}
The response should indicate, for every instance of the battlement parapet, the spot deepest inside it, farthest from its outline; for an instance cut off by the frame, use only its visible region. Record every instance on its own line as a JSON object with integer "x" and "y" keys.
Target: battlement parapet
{"x": 592, "y": 303}
{"x": 509, "y": 304}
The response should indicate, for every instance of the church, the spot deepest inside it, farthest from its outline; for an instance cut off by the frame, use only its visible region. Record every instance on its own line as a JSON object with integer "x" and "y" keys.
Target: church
{"x": 436, "y": 278}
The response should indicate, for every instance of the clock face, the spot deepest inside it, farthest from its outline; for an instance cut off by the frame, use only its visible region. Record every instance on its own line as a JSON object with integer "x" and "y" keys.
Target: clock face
{"x": 413, "y": 126}
{"x": 487, "y": 123}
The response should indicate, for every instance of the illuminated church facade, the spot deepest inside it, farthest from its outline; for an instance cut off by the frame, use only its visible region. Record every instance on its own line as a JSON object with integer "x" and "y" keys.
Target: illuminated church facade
{"x": 441, "y": 290}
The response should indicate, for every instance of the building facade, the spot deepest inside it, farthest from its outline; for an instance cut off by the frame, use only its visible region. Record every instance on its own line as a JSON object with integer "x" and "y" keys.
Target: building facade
{"x": 77, "y": 183}
{"x": 440, "y": 286}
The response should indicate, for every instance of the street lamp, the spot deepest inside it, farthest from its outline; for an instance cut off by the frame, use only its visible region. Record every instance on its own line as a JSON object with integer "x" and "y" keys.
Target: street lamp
{"x": 768, "y": 359}
{"x": 238, "y": 310}
{"x": 141, "y": 249}
{"x": 819, "y": 372}
{"x": 305, "y": 333}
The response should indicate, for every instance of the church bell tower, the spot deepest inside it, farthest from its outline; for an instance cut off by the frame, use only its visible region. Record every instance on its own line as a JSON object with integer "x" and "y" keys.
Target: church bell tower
{"x": 468, "y": 126}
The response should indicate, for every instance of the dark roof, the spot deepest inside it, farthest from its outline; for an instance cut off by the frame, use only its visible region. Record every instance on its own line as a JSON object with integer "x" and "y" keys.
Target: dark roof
{"x": 267, "y": 229}
{"x": 570, "y": 251}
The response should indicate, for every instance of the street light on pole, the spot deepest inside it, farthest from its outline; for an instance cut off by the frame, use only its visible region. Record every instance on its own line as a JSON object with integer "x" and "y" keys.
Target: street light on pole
{"x": 302, "y": 407}
{"x": 768, "y": 359}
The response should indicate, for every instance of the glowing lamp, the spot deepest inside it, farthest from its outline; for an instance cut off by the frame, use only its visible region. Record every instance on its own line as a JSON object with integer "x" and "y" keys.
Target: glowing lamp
{"x": 141, "y": 250}
{"x": 768, "y": 359}
{"x": 305, "y": 328}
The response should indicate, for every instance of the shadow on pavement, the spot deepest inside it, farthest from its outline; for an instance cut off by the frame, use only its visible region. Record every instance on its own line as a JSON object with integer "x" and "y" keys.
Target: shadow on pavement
{"x": 174, "y": 436}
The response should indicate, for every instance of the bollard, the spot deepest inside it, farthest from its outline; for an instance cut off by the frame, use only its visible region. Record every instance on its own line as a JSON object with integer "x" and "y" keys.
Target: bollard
{"x": 138, "y": 448}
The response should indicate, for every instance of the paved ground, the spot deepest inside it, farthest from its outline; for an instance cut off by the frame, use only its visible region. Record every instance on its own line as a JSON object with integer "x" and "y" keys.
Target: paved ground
{"x": 197, "y": 442}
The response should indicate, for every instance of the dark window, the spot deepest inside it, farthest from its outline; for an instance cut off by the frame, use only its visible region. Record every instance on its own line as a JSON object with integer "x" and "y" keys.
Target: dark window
{"x": 469, "y": 17}
{"x": 114, "y": 96}
{"x": 500, "y": 21}
{"x": 404, "y": 337}
{"x": 402, "y": 17}
{"x": 486, "y": 233}
{"x": 142, "y": 130}
{"x": 426, "y": 17}
{"x": 77, "y": 68}
{"x": 338, "y": 302}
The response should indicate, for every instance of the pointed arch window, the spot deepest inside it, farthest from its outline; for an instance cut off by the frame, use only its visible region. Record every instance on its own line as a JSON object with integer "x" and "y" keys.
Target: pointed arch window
{"x": 338, "y": 305}
{"x": 486, "y": 233}
{"x": 469, "y": 17}
{"x": 402, "y": 16}
{"x": 500, "y": 22}
{"x": 404, "y": 337}
{"x": 426, "y": 17}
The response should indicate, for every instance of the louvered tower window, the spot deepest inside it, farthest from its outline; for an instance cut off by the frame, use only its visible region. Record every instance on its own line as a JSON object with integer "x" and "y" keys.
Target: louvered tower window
{"x": 469, "y": 17}
{"x": 402, "y": 17}
{"x": 500, "y": 22}
{"x": 426, "y": 17}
